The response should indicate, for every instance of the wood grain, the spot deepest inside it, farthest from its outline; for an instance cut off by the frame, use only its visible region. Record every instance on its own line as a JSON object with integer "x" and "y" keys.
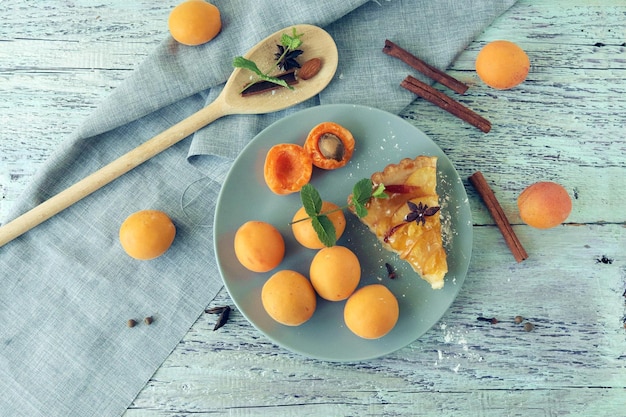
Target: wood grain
{"x": 565, "y": 124}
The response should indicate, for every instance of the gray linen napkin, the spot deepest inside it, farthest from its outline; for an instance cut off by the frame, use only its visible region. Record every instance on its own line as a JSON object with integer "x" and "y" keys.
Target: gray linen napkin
{"x": 67, "y": 288}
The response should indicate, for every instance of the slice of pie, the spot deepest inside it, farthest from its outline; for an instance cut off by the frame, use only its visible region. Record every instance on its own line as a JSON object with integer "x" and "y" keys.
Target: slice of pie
{"x": 408, "y": 222}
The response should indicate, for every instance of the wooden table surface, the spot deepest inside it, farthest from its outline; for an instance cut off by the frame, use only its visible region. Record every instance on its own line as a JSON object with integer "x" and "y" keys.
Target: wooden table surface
{"x": 565, "y": 123}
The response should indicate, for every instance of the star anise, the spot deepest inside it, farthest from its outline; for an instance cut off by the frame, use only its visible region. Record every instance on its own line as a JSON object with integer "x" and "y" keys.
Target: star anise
{"x": 289, "y": 60}
{"x": 417, "y": 213}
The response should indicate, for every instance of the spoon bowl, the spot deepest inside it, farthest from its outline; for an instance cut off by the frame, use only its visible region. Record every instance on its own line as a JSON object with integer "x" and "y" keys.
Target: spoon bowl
{"x": 318, "y": 44}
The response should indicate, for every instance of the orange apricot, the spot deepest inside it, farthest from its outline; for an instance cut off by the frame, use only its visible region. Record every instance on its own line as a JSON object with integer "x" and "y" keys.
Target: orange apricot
{"x": 289, "y": 298}
{"x": 259, "y": 246}
{"x": 371, "y": 312}
{"x": 303, "y": 229}
{"x": 502, "y": 64}
{"x": 335, "y": 273}
{"x": 287, "y": 168}
{"x": 544, "y": 205}
{"x": 147, "y": 234}
{"x": 194, "y": 22}
{"x": 330, "y": 145}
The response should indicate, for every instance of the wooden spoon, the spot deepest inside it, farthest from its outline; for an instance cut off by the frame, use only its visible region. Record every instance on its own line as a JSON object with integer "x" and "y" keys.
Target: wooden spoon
{"x": 316, "y": 43}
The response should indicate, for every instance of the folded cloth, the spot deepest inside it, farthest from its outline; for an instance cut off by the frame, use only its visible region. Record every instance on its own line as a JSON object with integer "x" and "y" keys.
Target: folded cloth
{"x": 67, "y": 288}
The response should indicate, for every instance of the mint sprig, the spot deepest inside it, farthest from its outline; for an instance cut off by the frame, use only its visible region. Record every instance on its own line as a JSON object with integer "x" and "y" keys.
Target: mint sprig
{"x": 312, "y": 202}
{"x": 289, "y": 42}
{"x": 362, "y": 192}
{"x": 241, "y": 62}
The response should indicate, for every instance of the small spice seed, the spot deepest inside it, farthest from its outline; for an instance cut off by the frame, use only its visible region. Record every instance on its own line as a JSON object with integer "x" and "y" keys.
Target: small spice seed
{"x": 491, "y": 320}
{"x": 390, "y": 271}
{"x": 148, "y": 320}
{"x": 131, "y": 323}
{"x": 223, "y": 318}
{"x": 528, "y": 326}
{"x": 518, "y": 319}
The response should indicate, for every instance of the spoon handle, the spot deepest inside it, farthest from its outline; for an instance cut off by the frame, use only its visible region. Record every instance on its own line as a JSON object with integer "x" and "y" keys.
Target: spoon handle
{"x": 110, "y": 172}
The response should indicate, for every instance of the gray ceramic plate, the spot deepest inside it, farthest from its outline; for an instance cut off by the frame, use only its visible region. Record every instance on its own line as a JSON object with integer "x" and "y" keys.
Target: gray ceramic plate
{"x": 382, "y": 138}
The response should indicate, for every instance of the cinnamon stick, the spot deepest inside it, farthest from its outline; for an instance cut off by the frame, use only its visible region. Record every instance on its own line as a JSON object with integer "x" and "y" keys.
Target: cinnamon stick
{"x": 414, "y": 62}
{"x": 482, "y": 187}
{"x": 264, "y": 86}
{"x": 447, "y": 103}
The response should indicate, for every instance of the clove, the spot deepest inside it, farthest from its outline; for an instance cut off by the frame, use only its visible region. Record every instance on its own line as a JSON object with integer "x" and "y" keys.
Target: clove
{"x": 223, "y": 311}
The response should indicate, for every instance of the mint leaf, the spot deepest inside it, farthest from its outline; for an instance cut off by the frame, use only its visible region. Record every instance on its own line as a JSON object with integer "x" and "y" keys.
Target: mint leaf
{"x": 379, "y": 192}
{"x": 291, "y": 42}
{"x": 361, "y": 194}
{"x": 241, "y": 62}
{"x": 362, "y": 191}
{"x": 325, "y": 230}
{"x": 311, "y": 200}
{"x": 275, "y": 80}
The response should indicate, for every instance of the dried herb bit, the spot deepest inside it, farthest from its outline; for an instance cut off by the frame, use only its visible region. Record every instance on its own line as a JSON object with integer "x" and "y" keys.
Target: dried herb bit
{"x": 391, "y": 273}
{"x": 215, "y": 310}
{"x": 604, "y": 260}
{"x": 491, "y": 320}
{"x": 223, "y": 318}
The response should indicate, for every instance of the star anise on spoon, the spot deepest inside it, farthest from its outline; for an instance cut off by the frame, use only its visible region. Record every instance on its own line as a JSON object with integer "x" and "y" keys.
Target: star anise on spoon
{"x": 417, "y": 213}
{"x": 288, "y": 60}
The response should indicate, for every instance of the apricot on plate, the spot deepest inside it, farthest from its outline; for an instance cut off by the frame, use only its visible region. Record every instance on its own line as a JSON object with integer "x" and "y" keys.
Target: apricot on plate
{"x": 544, "y": 205}
{"x": 335, "y": 273}
{"x": 194, "y": 22}
{"x": 371, "y": 312}
{"x": 259, "y": 246}
{"x": 147, "y": 234}
{"x": 502, "y": 64}
{"x": 303, "y": 229}
{"x": 289, "y": 298}
{"x": 287, "y": 168}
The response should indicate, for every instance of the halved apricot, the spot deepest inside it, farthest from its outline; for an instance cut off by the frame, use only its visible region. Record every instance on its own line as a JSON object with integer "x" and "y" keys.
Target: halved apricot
{"x": 330, "y": 145}
{"x": 287, "y": 168}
